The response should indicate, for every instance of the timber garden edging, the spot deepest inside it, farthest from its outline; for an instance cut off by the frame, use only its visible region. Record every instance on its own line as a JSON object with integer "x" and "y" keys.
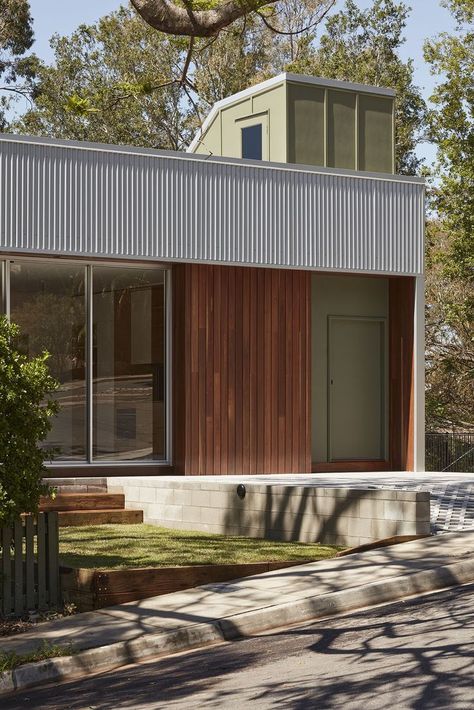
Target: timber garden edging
{"x": 29, "y": 564}
{"x": 90, "y": 589}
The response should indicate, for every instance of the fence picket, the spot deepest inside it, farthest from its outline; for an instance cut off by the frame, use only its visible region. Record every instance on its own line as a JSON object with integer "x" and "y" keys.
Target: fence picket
{"x": 19, "y": 601}
{"x": 52, "y": 558}
{"x": 6, "y": 571}
{"x": 31, "y": 598}
{"x": 41, "y": 557}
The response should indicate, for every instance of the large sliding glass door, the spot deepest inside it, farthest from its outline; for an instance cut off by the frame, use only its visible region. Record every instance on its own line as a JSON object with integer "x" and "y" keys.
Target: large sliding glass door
{"x": 105, "y": 329}
{"x": 47, "y": 301}
{"x": 128, "y": 319}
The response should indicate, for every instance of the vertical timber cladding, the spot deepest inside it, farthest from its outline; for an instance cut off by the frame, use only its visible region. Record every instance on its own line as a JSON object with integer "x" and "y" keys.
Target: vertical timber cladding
{"x": 402, "y": 390}
{"x": 241, "y": 370}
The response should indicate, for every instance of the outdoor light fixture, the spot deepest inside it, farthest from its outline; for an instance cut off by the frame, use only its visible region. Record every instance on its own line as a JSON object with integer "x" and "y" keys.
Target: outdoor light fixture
{"x": 241, "y": 491}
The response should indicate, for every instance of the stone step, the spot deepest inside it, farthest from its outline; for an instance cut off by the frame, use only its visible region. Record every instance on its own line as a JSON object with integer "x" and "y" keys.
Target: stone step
{"x": 83, "y": 501}
{"x": 70, "y": 518}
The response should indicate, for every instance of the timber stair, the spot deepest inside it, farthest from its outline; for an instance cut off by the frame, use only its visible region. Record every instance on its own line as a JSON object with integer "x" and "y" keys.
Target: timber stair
{"x": 77, "y": 509}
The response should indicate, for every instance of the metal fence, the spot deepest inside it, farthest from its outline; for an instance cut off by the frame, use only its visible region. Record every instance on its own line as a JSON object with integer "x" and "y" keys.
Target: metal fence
{"x": 450, "y": 452}
{"x": 29, "y": 564}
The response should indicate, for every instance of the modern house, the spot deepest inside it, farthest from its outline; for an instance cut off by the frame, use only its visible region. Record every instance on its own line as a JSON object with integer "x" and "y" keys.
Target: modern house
{"x": 252, "y": 306}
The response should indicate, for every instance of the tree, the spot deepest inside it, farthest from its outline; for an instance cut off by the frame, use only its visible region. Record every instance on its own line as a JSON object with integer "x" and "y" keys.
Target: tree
{"x": 452, "y": 128}
{"x": 362, "y": 46}
{"x": 450, "y": 292}
{"x": 103, "y": 86}
{"x": 25, "y": 419}
{"x": 250, "y": 50}
{"x": 106, "y": 85}
{"x": 449, "y": 339}
{"x": 16, "y": 37}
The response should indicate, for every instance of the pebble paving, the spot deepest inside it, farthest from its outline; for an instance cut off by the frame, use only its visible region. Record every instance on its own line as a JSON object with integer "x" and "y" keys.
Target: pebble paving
{"x": 452, "y": 505}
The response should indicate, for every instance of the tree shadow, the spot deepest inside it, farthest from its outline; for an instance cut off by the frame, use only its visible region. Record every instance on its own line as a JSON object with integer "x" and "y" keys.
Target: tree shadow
{"x": 417, "y": 654}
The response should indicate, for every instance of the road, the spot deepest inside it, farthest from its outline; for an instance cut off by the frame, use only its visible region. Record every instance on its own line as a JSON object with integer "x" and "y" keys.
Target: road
{"x": 413, "y": 654}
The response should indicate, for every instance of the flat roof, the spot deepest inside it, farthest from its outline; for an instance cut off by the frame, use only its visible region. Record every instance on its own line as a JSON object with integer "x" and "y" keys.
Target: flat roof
{"x": 280, "y": 79}
{"x": 200, "y": 157}
{"x": 64, "y": 198}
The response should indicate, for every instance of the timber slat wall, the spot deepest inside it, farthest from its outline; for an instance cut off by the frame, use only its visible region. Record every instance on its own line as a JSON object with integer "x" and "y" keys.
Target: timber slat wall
{"x": 29, "y": 564}
{"x": 241, "y": 370}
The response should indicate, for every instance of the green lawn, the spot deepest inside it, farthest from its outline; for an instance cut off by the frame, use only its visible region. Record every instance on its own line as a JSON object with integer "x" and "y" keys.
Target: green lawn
{"x": 119, "y": 546}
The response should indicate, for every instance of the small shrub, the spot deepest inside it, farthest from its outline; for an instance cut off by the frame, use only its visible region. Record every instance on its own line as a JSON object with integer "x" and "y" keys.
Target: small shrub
{"x": 25, "y": 420}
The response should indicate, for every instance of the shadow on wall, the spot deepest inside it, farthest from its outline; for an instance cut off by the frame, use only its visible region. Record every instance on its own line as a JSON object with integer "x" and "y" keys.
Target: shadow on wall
{"x": 301, "y": 514}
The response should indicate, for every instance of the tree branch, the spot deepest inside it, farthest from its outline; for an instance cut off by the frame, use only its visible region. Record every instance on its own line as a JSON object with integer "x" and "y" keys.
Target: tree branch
{"x": 320, "y": 18}
{"x": 187, "y": 62}
{"x": 25, "y": 93}
{"x": 170, "y": 18}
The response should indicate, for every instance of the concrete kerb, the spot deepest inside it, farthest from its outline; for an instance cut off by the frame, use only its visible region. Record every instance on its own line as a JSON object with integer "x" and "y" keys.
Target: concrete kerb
{"x": 105, "y": 658}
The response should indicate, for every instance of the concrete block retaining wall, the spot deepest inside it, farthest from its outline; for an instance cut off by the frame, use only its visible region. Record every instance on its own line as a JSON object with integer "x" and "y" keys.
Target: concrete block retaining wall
{"x": 338, "y": 516}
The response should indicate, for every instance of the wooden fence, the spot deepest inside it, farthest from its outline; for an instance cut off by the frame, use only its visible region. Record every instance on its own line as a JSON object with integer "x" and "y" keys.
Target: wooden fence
{"x": 29, "y": 564}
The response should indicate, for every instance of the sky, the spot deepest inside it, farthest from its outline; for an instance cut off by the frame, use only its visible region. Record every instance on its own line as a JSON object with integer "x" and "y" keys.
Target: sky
{"x": 428, "y": 18}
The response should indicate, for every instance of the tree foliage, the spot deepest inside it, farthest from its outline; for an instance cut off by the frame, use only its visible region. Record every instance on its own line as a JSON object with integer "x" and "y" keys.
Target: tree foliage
{"x": 449, "y": 339}
{"x": 120, "y": 81}
{"x": 106, "y": 84}
{"x": 25, "y": 419}
{"x": 452, "y": 129}
{"x": 16, "y": 37}
{"x": 102, "y": 86}
{"x": 249, "y": 51}
{"x": 450, "y": 285}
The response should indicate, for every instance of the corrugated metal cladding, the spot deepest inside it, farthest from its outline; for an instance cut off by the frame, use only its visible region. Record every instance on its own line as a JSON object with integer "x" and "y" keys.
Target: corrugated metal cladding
{"x": 69, "y": 200}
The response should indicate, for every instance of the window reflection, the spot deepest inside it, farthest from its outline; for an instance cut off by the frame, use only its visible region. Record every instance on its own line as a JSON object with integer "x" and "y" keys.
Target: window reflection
{"x": 128, "y": 364}
{"x": 47, "y": 300}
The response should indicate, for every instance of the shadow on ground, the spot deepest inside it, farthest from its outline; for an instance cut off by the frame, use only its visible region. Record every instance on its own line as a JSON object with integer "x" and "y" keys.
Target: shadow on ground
{"x": 415, "y": 654}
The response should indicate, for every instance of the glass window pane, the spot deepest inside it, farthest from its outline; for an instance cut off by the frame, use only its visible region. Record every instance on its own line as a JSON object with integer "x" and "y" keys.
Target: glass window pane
{"x": 252, "y": 142}
{"x": 47, "y": 300}
{"x": 128, "y": 364}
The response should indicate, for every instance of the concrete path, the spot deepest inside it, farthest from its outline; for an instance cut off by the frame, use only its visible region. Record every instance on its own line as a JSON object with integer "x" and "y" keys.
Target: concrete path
{"x": 258, "y": 594}
{"x": 452, "y": 494}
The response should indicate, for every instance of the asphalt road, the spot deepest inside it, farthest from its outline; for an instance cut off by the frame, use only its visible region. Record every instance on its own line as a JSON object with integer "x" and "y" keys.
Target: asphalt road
{"x": 413, "y": 654}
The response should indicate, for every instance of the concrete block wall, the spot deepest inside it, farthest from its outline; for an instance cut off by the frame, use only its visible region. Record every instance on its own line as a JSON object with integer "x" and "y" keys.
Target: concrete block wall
{"x": 339, "y": 516}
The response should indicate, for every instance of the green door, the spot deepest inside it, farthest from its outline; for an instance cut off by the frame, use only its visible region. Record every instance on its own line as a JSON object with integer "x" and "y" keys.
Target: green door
{"x": 356, "y": 384}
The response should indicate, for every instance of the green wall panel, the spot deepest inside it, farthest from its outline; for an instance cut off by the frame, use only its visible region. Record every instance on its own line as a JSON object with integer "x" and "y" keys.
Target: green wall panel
{"x": 375, "y": 134}
{"x": 305, "y": 124}
{"x": 341, "y": 129}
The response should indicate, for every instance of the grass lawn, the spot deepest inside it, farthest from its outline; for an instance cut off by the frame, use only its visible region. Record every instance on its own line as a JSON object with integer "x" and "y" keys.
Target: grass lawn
{"x": 119, "y": 546}
{"x": 10, "y": 661}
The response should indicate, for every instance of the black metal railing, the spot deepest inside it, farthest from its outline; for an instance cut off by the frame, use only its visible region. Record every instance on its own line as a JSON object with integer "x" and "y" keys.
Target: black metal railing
{"x": 448, "y": 451}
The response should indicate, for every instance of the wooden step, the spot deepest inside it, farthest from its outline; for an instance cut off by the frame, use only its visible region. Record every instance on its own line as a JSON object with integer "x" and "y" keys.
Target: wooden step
{"x": 84, "y": 501}
{"x": 70, "y": 518}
